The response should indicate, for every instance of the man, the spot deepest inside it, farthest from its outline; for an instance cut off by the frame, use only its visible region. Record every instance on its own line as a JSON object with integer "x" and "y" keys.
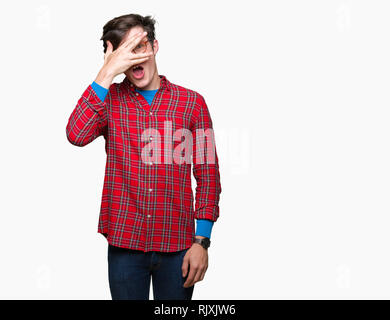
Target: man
{"x": 147, "y": 212}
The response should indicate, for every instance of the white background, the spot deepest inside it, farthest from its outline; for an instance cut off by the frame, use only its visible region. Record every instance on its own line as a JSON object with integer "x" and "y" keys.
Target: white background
{"x": 298, "y": 94}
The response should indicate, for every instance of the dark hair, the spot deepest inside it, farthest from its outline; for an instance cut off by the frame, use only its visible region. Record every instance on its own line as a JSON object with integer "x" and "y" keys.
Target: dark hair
{"x": 115, "y": 29}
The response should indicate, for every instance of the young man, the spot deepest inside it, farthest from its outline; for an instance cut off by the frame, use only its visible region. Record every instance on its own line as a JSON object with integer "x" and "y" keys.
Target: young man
{"x": 147, "y": 212}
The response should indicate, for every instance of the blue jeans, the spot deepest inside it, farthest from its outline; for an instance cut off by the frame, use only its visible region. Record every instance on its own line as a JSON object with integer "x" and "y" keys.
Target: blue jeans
{"x": 130, "y": 272}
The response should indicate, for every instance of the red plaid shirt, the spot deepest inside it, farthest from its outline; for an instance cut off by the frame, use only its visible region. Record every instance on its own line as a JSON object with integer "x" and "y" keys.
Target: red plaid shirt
{"x": 147, "y": 202}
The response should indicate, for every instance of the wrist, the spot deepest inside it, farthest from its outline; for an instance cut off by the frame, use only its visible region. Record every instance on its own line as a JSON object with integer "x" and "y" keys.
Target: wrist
{"x": 104, "y": 78}
{"x": 203, "y": 241}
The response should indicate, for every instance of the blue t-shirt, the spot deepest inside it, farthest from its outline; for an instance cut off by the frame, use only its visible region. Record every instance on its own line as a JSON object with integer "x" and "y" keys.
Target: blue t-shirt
{"x": 147, "y": 94}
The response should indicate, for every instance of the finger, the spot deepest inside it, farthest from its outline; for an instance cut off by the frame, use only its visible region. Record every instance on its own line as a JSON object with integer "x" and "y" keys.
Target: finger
{"x": 184, "y": 267}
{"x": 124, "y": 43}
{"x": 141, "y": 55}
{"x": 197, "y": 276}
{"x": 203, "y": 273}
{"x": 132, "y": 44}
{"x": 134, "y": 40}
{"x": 137, "y": 61}
{"x": 190, "y": 278}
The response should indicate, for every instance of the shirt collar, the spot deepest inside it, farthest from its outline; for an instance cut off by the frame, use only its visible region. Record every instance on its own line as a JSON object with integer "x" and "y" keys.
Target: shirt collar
{"x": 164, "y": 83}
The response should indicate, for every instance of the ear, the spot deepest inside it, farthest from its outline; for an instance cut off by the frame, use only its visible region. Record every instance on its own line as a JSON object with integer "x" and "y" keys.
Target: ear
{"x": 155, "y": 46}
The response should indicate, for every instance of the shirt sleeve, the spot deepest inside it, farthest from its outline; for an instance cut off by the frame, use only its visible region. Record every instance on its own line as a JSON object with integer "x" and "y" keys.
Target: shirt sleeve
{"x": 88, "y": 119}
{"x": 205, "y": 165}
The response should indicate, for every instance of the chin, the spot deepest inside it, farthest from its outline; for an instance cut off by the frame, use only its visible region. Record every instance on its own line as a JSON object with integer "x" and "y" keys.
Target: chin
{"x": 140, "y": 83}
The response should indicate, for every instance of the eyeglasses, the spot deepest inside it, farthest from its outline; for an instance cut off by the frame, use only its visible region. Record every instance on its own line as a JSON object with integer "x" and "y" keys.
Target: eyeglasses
{"x": 141, "y": 47}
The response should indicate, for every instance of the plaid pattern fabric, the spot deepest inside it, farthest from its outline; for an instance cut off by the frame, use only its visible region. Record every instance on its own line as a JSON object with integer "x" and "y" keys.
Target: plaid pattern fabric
{"x": 147, "y": 201}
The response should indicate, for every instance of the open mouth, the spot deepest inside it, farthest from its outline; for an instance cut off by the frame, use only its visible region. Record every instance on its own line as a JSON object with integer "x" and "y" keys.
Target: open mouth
{"x": 138, "y": 71}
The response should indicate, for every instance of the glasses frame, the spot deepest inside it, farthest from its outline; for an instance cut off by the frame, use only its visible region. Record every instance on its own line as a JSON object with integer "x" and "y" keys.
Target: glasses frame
{"x": 145, "y": 43}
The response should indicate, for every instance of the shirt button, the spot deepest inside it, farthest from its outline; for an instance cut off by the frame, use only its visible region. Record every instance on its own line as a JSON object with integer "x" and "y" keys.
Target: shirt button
{"x": 150, "y": 138}
{"x": 136, "y": 93}
{"x": 149, "y": 215}
{"x": 150, "y": 163}
{"x": 150, "y": 190}
{"x": 151, "y": 113}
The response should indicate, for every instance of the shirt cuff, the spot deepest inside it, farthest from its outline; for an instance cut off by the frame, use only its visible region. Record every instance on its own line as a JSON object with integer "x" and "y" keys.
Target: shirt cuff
{"x": 99, "y": 90}
{"x": 204, "y": 227}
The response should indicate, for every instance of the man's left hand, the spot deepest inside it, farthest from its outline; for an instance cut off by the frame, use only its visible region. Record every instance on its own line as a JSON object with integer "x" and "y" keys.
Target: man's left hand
{"x": 196, "y": 259}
